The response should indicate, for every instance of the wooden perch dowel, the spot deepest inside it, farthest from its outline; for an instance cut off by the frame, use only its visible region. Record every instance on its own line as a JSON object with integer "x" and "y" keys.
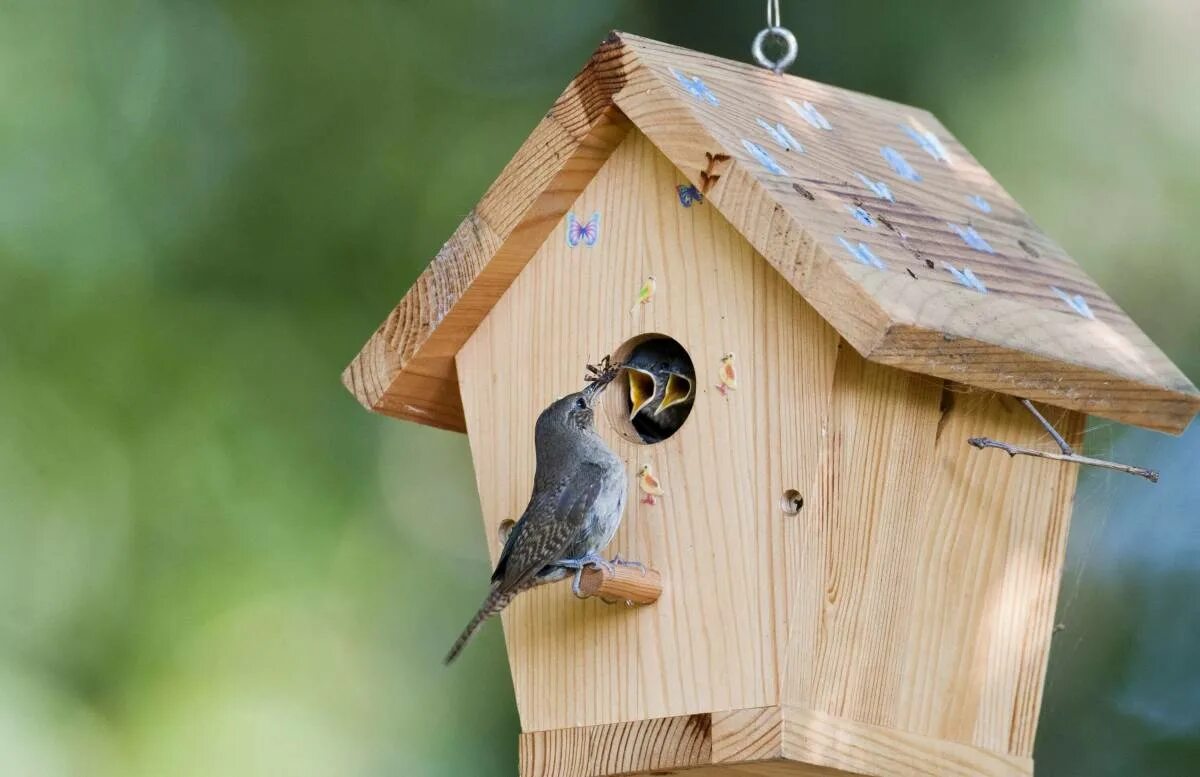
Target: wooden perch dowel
{"x": 627, "y": 584}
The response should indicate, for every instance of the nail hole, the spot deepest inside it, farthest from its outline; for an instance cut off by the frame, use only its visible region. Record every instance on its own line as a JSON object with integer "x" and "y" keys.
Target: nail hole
{"x": 504, "y": 529}
{"x": 792, "y": 502}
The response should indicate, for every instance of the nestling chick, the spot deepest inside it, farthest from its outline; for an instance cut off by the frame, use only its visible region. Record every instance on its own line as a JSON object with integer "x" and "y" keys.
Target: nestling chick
{"x": 579, "y": 489}
{"x": 661, "y": 388}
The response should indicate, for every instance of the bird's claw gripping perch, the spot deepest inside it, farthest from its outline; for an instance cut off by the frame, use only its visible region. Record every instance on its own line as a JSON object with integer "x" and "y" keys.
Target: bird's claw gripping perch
{"x": 590, "y": 560}
{"x": 620, "y": 562}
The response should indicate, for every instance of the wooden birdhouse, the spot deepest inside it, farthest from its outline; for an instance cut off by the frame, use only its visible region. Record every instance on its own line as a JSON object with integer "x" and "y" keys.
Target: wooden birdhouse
{"x": 847, "y": 586}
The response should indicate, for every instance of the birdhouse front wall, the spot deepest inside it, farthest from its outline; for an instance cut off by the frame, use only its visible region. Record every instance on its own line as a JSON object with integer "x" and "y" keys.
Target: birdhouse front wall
{"x": 912, "y": 594}
{"x": 714, "y": 639}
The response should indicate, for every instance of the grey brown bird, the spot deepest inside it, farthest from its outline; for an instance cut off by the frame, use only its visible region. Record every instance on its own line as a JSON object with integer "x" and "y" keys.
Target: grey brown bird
{"x": 579, "y": 490}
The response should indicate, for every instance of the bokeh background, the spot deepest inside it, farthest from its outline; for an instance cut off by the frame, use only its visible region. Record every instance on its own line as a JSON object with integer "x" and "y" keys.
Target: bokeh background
{"x": 213, "y": 562}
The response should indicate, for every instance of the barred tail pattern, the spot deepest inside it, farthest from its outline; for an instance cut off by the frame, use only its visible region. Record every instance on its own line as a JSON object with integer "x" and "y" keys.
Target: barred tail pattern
{"x": 492, "y": 605}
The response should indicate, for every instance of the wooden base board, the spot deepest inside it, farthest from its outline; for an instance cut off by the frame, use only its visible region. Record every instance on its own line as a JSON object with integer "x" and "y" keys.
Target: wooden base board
{"x": 764, "y": 741}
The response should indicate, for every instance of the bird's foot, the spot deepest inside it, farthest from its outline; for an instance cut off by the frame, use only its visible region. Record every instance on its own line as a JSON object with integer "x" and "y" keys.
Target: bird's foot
{"x": 648, "y": 499}
{"x": 579, "y": 564}
{"x": 722, "y": 389}
{"x": 620, "y": 562}
{"x": 575, "y": 584}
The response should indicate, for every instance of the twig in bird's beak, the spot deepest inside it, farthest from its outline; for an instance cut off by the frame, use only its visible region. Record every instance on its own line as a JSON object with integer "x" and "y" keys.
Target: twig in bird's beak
{"x": 599, "y": 375}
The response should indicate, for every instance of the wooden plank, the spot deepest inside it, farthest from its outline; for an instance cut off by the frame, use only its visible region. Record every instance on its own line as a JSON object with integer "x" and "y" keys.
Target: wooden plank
{"x": 768, "y": 742}
{"x": 753, "y": 734}
{"x": 618, "y": 748}
{"x": 779, "y": 768}
{"x": 859, "y": 748}
{"x": 1018, "y": 337}
{"x": 925, "y": 578}
{"x": 714, "y": 639}
{"x": 856, "y": 547}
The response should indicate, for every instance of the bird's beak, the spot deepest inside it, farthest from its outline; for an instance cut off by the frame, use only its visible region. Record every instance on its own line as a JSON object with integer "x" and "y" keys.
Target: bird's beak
{"x": 642, "y": 386}
{"x": 679, "y": 389}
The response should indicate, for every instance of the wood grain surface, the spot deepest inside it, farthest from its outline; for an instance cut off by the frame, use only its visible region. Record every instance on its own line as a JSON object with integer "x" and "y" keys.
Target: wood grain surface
{"x": 714, "y": 638}
{"x": 914, "y": 590}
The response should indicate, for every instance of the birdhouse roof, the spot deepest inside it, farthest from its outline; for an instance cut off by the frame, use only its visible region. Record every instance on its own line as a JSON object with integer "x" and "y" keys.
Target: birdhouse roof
{"x": 870, "y": 209}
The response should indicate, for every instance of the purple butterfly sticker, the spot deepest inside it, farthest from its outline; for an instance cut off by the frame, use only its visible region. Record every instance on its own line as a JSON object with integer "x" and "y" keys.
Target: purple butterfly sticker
{"x": 586, "y": 232}
{"x": 689, "y": 194}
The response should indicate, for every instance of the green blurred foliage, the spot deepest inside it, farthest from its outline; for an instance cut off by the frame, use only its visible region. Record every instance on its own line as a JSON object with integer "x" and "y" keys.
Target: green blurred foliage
{"x": 213, "y": 562}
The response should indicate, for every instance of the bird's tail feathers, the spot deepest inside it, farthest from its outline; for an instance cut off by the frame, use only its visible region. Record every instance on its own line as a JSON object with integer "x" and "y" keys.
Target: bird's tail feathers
{"x": 492, "y": 605}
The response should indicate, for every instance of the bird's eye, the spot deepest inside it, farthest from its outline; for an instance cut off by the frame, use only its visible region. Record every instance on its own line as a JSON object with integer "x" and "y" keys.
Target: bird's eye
{"x": 580, "y": 403}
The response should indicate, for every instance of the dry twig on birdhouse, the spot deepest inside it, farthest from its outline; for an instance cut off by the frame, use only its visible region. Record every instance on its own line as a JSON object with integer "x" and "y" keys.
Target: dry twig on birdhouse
{"x": 1067, "y": 453}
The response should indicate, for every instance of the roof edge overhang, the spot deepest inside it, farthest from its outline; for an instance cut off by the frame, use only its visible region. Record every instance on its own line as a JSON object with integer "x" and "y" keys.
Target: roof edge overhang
{"x": 407, "y": 369}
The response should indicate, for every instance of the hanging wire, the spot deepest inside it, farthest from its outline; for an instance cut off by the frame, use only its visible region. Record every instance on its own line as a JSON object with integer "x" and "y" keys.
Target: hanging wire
{"x": 774, "y": 31}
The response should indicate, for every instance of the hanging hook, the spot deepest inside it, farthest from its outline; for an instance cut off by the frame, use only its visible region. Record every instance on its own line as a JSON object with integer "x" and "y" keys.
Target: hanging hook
{"x": 774, "y": 30}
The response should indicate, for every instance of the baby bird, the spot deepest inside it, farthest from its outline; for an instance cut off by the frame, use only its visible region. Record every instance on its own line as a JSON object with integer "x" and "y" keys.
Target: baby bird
{"x": 579, "y": 488}
{"x": 661, "y": 388}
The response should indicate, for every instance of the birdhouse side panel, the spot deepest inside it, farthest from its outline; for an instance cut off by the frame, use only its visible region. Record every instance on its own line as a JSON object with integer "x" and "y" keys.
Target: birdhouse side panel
{"x": 715, "y": 638}
{"x": 929, "y": 574}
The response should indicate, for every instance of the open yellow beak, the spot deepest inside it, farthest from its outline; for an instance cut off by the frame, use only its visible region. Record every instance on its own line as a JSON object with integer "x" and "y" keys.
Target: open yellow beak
{"x": 642, "y": 386}
{"x": 679, "y": 389}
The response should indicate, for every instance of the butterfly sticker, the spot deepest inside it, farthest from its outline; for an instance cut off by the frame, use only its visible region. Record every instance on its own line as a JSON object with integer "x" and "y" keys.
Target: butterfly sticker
{"x": 863, "y": 253}
{"x": 982, "y": 205}
{"x": 1076, "y": 302}
{"x": 899, "y": 164}
{"x": 810, "y": 114}
{"x": 780, "y": 135}
{"x": 695, "y": 87}
{"x": 688, "y": 195}
{"x": 972, "y": 238}
{"x": 861, "y": 216}
{"x": 586, "y": 232}
{"x": 965, "y": 277}
{"x": 764, "y": 159}
{"x": 878, "y": 188}
{"x": 929, "y": 142}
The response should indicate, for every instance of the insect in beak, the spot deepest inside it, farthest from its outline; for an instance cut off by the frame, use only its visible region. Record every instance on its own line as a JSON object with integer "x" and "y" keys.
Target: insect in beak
{"x": 642, "y": 386}
{"x": 679, "y": 389}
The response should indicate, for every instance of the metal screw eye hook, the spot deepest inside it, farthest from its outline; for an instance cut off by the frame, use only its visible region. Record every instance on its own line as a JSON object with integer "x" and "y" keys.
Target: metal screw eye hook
{"x": 774, "y": 29}
{"x": 790, "y": 48}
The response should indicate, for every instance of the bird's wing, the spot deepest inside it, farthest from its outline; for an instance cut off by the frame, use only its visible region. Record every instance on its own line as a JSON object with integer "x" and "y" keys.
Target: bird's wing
{"x": 553, "y": 522}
